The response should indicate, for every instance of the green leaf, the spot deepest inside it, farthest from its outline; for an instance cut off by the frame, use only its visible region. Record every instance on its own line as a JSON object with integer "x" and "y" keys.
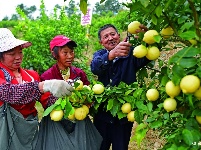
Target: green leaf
{"x": 167, "y": 4}
{"x": 187, "y": 26}
{"x": 110, "y": 104}
{"x": 116, "y": 107}
{"x": 182, "y": 19}
{"x": 196, "y": 112}
{"x": 158, "y": 10}
{"x": 98, "y": 99}
{"x": 150, "y": 106}
{"x": 196, "y": 135}
{"x": 187, "y": 52}
{"x": 164, "y": 80}
{"x": 178, "y": 70}
{"x": 173, "y": 147}
{"x": 121, "y": 115}
{"x": 63, "y": 102}
{"x": 188, "y": 35}
{"x": 140, "y": 127}
{"x": 144, "y": 3}
{"x": 188, "y": 62}
{"x": 176, "y": 79}
{"x": 187, "y": 137}
{"x": 141, "y": 106}
{"x": 157, "y": 38}
{"x": 192, "y": 124}
{"x": 198, "y": 72}
{"x": 140, "y": 134}
{"x": 128, "y": 92}
{"x": 68, "y": 109}
{"x": 154, "y": 19}
{"x": 138, "y": 116}
{"x": 137, "y": 92}
{"x": 58, "y": 102}
{"x": 166, "y": 116}
{"x": 83, "y": 6}
{"x": 48, "y": 110}
{"x": 175, "y": 115}
{"x": 156, "y": 124}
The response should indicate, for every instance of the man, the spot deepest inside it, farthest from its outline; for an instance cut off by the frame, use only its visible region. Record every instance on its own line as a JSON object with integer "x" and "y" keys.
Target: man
{"x": 113, "y": 64}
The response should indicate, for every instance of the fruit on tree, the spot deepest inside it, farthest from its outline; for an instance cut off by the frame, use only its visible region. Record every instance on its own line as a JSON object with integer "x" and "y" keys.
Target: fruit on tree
{"x": 198, "y": 118}
{"x": 197, "y": 93}
{"x": 130, "y": 116}
{"x": 86, "y": 86}
{"x": 140, "y": 51}
{"x": 189, "y": 84}
{"x": 170, "y": 104}
{"x": 167, "y": 32}
{"x": 126, "y": 108}
{"x": 98, "y": 88}
{"x": 171, "y": 89}
{"x": 86, "y": 108}
{"x": 80, "y": 113}
{"x": 80, "y": 86}
{"x": 133, "y": 26}
{"x": 152, "y": 53}
{"x": 152, "y": 94}
{"x": 149, "y": 36}
{"x": 193, "y": 42}
{"x": 56, "y": 115}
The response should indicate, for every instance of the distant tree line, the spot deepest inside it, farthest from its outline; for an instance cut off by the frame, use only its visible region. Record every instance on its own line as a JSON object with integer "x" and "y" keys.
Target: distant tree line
{"x": 112, "y": 6}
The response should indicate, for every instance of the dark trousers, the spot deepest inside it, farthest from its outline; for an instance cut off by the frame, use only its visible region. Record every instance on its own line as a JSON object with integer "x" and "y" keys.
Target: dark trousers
{"x": 114, "y": 133}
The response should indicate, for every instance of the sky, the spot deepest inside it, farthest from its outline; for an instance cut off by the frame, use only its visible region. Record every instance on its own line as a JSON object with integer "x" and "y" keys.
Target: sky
{"x": 7, "y": 7}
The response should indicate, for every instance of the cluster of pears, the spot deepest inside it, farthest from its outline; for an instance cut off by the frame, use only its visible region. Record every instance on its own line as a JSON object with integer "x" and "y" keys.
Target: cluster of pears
{"x": 127, "y": 109}
{"x": 189, "y": 84}
{"x": 151, "y": 52}
{"x": 80, "y": 109}
{"x": 57, "y": 114}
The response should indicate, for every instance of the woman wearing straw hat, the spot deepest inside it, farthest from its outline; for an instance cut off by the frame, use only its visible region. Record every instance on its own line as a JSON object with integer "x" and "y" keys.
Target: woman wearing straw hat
{"x": 19, "y": 89}
{"x": 64, "y": 134}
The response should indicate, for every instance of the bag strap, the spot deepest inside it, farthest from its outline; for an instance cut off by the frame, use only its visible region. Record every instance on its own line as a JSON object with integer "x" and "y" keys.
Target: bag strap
{"x": 8, "y": 79}
{"x": 6, "y": 75}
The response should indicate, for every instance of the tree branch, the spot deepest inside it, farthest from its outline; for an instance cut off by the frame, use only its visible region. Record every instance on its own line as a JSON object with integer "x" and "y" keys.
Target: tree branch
{"x": 196, "y": 19}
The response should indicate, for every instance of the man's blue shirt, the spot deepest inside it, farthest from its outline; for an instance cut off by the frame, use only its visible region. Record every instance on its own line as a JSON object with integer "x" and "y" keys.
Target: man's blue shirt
{"x": 121, "y": 69}
{"x": 113, "y": 72}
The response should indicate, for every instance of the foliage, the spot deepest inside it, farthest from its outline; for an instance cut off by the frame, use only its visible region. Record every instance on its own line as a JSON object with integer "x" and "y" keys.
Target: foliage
{"x": 108, "y": 6}
{"x": 8, "y": 24}
{"x": 179, "y": 127}
{"x": 42, "y": 30}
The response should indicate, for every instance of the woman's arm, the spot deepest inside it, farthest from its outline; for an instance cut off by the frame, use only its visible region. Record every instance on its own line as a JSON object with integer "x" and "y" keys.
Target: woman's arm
{"x": 20, "y": 93}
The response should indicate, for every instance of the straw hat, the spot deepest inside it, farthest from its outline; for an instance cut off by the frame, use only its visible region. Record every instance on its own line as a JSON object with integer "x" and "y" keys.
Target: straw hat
{"x": 8, "y": 41}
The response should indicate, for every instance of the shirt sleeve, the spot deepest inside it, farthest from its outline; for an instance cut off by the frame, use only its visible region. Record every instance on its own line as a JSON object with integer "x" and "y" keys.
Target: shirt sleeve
{"x": 100, "y": 62}
{"x": 47, "y": 99}
{"x": 20, "y": 93}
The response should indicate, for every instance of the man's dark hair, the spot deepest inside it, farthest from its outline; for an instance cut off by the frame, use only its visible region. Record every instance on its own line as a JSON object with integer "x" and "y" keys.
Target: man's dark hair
{"x": 105, "y": 27}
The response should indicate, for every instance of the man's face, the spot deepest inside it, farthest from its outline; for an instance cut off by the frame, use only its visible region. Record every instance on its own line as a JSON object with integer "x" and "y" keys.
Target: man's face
{"x": 109, "y": 38}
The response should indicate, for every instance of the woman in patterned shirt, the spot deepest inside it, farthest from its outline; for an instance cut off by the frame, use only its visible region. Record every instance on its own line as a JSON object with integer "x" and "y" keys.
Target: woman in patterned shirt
{"x": 19, "y": 90}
